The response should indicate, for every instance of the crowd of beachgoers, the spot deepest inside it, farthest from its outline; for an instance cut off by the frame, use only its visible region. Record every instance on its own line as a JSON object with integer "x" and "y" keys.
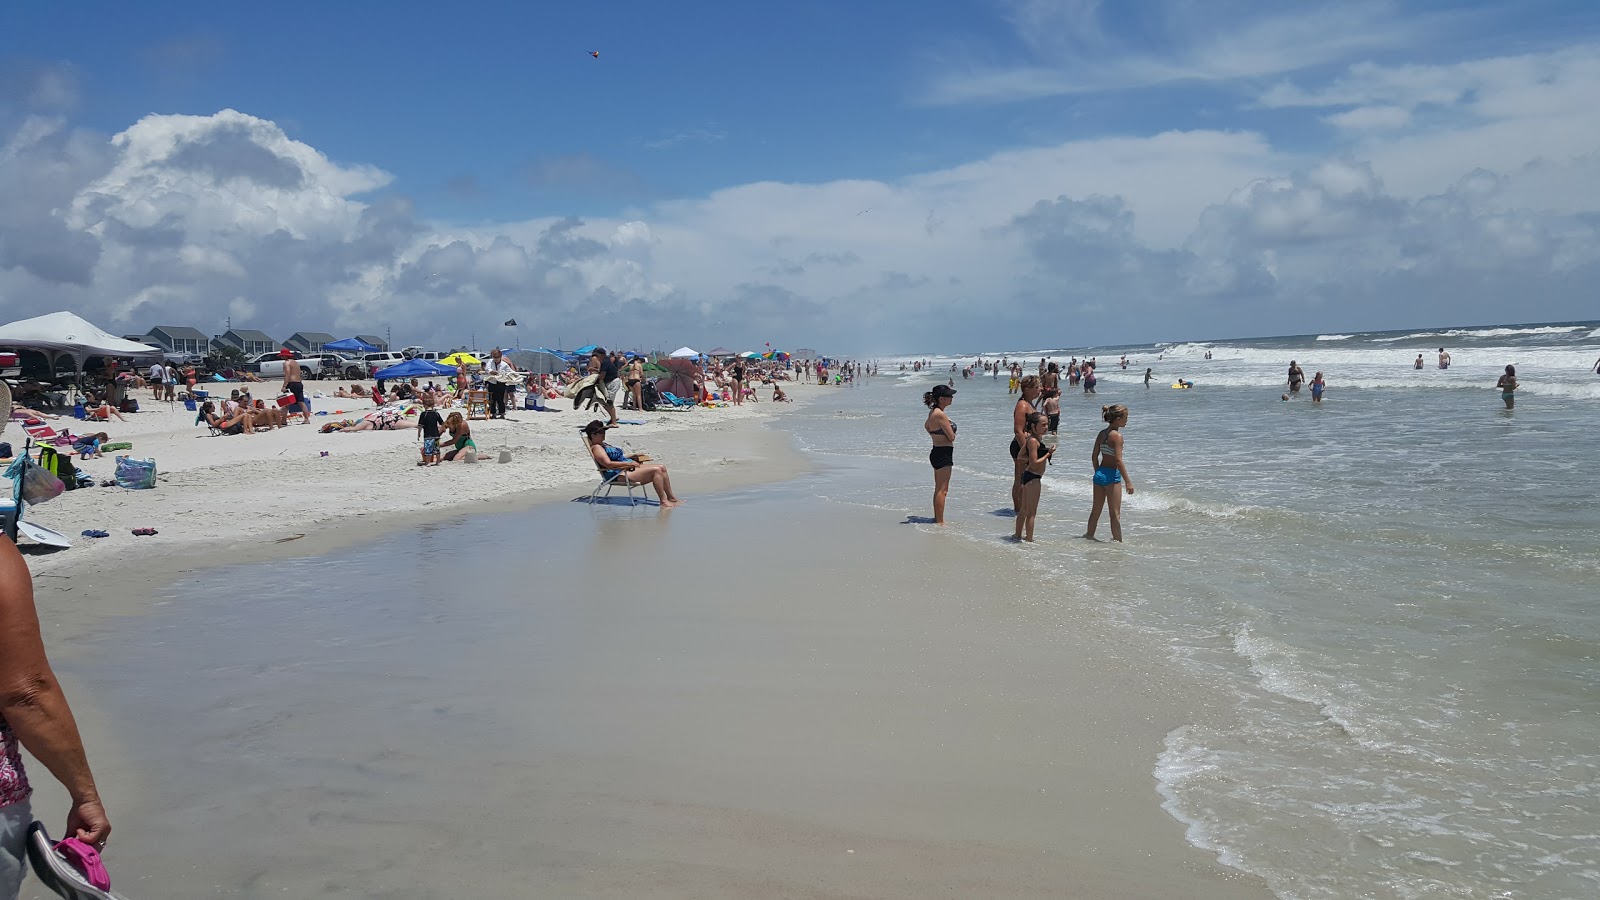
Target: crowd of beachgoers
{"x": 279, "y": 454}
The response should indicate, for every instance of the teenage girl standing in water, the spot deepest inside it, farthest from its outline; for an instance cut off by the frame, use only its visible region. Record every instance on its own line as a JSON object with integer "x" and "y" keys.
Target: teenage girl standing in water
{"x": 1019, "y": 429}
{"x": 943, "y": 455}
{"x": 1034, "y": 457}
{"x": 1111, "y": 476}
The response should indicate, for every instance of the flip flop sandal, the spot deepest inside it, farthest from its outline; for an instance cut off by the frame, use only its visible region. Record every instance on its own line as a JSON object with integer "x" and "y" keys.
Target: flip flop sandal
{"x": 145, "y": 531}
{"x": 71, "y": 868}
{"x": 94, "y": 533}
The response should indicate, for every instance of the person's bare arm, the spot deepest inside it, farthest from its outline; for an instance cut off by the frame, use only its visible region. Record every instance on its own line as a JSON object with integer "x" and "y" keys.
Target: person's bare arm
{"x": 33, "y": 705}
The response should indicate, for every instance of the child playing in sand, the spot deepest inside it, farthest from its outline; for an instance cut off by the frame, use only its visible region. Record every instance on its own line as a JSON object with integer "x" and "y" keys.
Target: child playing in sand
{"x": 1034, "y": 457}
{"x": 429, "y": 424}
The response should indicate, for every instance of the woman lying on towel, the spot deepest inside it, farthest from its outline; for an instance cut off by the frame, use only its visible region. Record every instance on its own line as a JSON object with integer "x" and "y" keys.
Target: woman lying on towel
{"x": 383, "y": 419}
{"x": 617, "y": 465}
{"x": 236, "y": 424}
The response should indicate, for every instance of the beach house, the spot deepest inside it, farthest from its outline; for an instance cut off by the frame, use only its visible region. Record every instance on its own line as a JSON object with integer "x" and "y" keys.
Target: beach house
{"x": 176, "y": 339}
{"x": 374, "y": 340}
{"x": 308, "y": 341}
{"x": 247, "y": 340}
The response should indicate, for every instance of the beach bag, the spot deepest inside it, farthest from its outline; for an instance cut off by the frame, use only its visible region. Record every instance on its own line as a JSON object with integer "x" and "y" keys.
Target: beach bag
{"x": 136, "y": 474}
{"x": 38, "y": 486}
{"x": 59, "y": 465}
{"x": 129, "y": 405}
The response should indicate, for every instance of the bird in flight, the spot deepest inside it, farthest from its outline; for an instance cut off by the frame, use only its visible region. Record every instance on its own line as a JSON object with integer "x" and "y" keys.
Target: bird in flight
{"x": 595, "y": 53}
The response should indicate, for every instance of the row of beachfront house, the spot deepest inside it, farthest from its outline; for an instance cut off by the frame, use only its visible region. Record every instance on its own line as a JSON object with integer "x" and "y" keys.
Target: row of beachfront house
{"x": 183, "y": 339}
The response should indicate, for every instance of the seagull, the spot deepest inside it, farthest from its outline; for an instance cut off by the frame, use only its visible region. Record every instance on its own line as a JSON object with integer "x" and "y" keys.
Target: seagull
{"x": 595, "y": 53}
{"x": 864, "y": 211}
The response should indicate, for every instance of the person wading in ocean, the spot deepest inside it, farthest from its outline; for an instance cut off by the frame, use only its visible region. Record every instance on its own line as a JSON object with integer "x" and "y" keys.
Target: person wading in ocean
{"x": 1019, "y": 432}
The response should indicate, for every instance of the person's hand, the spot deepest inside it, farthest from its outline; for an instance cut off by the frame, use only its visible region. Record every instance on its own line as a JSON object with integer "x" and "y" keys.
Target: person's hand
{"x": 1128, "y": 486}
{"x": 88, "y": 823}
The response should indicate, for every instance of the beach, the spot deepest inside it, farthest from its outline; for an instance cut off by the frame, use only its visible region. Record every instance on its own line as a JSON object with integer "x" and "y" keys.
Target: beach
{"x": 542, "y": 698}
{"x": 223, "y": 491}
{"x": 1346, "y": 651}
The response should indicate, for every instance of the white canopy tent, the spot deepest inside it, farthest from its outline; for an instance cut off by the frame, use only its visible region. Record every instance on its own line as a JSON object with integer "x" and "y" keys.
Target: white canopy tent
{"x": 66, "y": 334}
{"x": 686, "y": 353}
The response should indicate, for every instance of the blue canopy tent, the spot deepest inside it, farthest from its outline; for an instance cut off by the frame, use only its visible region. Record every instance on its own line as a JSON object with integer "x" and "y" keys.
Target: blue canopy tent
{"x": 415, "y": 368}
{"x": 584, "y": 351}
{"x": 350, "y": 345}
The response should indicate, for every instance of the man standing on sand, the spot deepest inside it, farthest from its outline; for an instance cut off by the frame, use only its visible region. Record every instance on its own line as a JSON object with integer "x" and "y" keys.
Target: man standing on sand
{"x": 1444, "y": 359}
{"x": 601, "y": 363}
{"x": 294, "y": 383}
{"x": 158, "y": 379}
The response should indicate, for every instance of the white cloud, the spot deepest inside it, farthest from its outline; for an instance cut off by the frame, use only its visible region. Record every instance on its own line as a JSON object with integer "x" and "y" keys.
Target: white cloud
{"x": 1371, "y": 118}
{"x": 189, "y": 219}
{"x": 1073, "y": 47}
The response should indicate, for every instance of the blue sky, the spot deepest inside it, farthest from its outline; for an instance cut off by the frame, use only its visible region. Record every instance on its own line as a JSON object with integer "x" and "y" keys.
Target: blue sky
{"x": 828, "y": 171}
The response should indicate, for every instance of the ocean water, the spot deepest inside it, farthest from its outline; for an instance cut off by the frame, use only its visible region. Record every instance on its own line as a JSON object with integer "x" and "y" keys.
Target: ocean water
{"x": 1394, "y": 590}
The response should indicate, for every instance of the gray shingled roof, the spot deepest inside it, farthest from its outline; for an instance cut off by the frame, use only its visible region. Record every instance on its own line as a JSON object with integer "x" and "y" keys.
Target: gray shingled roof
{"x": 179, "y": 331}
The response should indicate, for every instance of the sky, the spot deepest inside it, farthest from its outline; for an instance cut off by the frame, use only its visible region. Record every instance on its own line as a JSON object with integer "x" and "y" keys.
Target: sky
{"x": 859, "y": 178}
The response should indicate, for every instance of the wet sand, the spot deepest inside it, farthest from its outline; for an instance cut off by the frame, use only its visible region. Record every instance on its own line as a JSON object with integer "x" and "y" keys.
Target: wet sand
{"x": 757, "y": 695}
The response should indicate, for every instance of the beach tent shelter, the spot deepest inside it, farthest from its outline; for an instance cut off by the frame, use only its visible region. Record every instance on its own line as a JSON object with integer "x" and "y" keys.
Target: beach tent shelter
{"x": 351, "y": 345}
{"x": 64, "y": 335}
{"x": 586, "y": 350}
{"x": 686, "y": 353}
{"x": 720, "y": 352}
{"x": 539, "y": 362}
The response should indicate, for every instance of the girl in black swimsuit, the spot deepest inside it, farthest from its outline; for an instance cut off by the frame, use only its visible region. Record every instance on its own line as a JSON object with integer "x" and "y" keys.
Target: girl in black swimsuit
{"x": 1035, "y": 455}
{"x": 943, "y": 432}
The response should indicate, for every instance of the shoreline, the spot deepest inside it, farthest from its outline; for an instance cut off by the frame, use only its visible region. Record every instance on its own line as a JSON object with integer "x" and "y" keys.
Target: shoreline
{"x": 1127, "y": 710}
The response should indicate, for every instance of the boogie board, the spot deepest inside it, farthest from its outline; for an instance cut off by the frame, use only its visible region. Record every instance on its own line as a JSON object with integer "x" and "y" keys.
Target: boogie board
{"x": 1182, "y": 387}
{"x": 42, "y": 535}
{"x": 62, "y": 876}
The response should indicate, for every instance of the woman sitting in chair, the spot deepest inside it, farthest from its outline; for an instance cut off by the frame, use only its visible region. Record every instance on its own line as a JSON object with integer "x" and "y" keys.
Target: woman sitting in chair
{"x": 617, "y": 465}
{"x": 236, "y": 424}
{"x": 103, "y": 411}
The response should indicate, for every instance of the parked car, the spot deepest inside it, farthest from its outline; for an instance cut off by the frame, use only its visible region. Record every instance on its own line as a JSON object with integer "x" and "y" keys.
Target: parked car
{"x": 335, "y": 365}
{"x": 270, "y": 365}
{"x": 10, "y": 365}
{"x": 376, "y": 361}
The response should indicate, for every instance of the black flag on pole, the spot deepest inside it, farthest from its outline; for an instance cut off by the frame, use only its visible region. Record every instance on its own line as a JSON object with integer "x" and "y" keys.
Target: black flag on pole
{"x": 511, "y": 321}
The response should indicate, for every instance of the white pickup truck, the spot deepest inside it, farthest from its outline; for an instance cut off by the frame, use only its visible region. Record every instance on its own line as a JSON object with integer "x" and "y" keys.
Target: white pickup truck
{"x": 312, "y": 365}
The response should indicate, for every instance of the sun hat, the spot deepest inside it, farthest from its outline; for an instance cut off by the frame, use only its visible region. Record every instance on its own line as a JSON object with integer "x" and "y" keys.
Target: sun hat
{"x": 286, "y": 353}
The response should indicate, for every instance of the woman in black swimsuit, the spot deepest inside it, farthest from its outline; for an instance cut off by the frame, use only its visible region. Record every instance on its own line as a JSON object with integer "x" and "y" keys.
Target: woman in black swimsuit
{"x": 1019, "y": 430}
{"x": 943, "y": 455}
{"x": 1034, "y": 457}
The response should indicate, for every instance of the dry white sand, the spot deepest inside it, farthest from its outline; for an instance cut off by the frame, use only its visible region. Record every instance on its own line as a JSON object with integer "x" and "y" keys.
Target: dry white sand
{"x": 275, "y": 484}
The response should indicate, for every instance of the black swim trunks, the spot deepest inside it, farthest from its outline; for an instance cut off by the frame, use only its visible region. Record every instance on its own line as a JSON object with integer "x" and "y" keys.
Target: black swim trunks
{"x": 942, "y": 457}
{"x": 1055, "y": 422}
{"x": 298, "y": 389}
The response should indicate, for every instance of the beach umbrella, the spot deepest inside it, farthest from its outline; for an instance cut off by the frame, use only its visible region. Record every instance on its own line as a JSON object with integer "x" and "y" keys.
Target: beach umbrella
{"x": 415, "y": 368}
{"x": 750, "y": 354}
{"x": 461, "y": 358}
{"x": 686, "y": 353}
{"x": 585, "y": 350}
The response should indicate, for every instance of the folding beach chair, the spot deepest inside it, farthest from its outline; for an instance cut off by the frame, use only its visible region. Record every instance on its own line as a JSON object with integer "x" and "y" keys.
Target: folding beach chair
{"x": 610, "y": 478}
